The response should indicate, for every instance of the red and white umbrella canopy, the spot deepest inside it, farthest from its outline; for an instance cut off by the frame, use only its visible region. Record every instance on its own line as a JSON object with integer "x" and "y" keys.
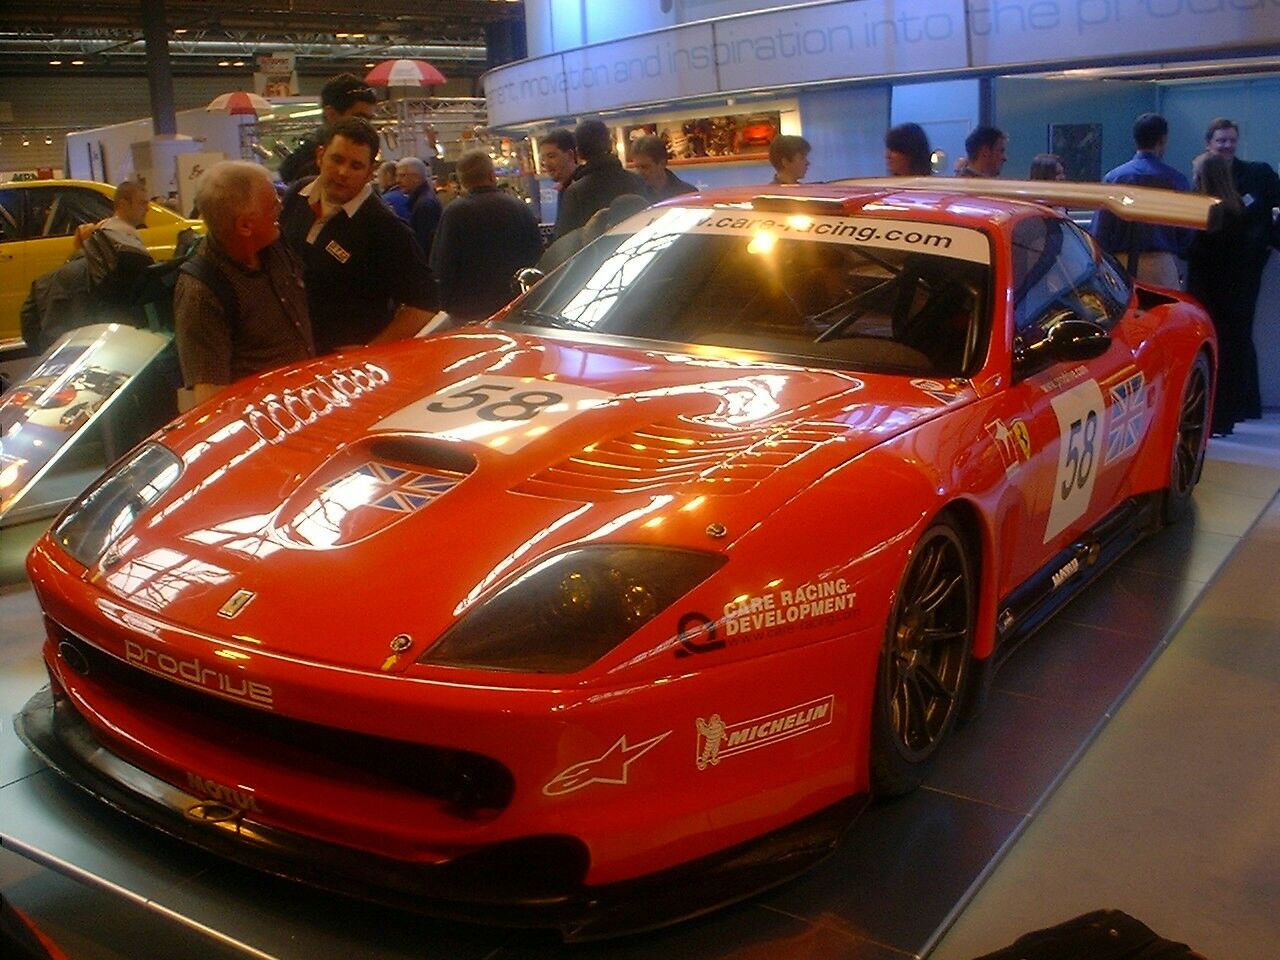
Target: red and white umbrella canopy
{"x": 239, "y": 102}
{"x": 404, "y": 73}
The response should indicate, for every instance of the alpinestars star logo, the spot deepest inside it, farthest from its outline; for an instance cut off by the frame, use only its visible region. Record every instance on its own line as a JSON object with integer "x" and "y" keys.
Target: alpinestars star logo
{"x": 611, "y": 767}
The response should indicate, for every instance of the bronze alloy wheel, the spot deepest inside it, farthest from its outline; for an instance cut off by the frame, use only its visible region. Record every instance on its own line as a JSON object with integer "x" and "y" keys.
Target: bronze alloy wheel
{"x": 924, "y": 663}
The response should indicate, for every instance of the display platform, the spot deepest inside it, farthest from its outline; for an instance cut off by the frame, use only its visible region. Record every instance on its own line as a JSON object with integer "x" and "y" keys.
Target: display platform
{"x": 898, "y": 879}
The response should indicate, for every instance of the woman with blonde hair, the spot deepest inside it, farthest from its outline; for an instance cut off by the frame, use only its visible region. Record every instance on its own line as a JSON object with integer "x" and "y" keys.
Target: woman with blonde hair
{"x": 1216, "y": 276}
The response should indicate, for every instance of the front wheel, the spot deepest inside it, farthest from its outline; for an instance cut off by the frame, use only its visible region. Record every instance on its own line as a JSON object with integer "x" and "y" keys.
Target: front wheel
{"x": 1189, "y": 443}
{"x": 924, "y": 662}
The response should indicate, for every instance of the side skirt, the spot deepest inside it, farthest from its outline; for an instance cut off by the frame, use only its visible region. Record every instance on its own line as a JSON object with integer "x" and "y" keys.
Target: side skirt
{"x": 1025, "y": 610}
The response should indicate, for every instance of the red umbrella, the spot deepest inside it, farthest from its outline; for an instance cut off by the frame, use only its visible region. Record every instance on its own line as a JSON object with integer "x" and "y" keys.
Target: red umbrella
{"x": 239, "y": 103}
{"x": 404, "y": 73}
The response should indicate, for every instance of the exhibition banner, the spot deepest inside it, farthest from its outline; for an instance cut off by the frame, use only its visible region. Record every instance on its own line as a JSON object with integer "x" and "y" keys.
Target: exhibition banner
{"x": 859, "y": 38}
{"x": 812, "y": 43}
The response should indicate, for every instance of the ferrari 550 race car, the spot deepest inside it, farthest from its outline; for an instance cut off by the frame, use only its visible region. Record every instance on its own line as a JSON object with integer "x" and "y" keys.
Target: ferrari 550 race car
{"x": 713, "y": 532}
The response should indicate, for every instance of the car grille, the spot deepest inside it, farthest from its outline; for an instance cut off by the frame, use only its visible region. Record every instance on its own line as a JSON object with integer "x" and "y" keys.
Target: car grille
{"x": 676, "y": 453}
{"x": 471, "y": 786}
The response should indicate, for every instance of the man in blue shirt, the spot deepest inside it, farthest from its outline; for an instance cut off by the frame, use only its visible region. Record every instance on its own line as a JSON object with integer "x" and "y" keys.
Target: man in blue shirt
{"x": 1156, "y": 249}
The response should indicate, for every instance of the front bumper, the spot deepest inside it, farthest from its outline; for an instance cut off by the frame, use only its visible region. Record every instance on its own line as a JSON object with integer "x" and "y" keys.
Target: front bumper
{"x": 535, "y": 881}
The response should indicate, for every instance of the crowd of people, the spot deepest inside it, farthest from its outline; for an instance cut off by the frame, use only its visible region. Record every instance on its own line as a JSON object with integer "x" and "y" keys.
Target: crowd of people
{"x": 358, "y": 253}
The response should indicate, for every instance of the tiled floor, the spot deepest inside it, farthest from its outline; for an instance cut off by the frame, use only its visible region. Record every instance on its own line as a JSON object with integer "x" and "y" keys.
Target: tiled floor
{"x": 1168, "y": 814}
{"x": 1171, "y": 815}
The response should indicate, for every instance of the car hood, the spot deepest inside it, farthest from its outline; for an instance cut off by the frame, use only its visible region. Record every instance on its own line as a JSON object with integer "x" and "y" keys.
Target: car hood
{"x": 384, "y": 492}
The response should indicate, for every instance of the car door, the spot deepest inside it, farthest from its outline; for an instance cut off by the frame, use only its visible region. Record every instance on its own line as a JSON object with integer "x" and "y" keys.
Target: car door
{"x": 1084, "y": 418}
{"x": 53, "y": 214}
{"x": 13, "y": 271}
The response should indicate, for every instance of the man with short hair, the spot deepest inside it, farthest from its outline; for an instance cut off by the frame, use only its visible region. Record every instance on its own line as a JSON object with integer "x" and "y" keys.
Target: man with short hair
{"x": 129, "y": 213}
{"x": 414, "y": 181}
{"x": 649, "y": 155}
{"x": 1155, "y": 249}
{"x": 246, "y": 309}
{"x": 391, "y": 193}
{"x": 346, "y": 95}
{"x": 1259, "y": 189}
{"x": 558, "y": 155}
{"x": 597, "y": 181}
{"x": 984, "y": 150}
{"x": 367, "y": 279}
{"x": 485, "y": 236}
{"x": 789, "y": 157}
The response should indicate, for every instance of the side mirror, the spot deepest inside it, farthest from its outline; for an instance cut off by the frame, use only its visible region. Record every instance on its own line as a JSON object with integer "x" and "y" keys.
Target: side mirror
{"x": 1070, "y": 338}
{"x": 527, "y": 277}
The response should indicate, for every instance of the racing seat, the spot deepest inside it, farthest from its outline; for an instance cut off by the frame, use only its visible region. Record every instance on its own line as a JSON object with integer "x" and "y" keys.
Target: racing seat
{"x": 933, "y": 312}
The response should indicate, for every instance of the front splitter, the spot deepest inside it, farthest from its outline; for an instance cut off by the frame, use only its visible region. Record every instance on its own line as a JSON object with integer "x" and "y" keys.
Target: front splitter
{"x": 534, "y": 882}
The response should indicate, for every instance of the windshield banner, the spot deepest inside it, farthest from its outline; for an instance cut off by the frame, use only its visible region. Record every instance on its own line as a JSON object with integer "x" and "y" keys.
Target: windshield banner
{"x": 913, "y": 236}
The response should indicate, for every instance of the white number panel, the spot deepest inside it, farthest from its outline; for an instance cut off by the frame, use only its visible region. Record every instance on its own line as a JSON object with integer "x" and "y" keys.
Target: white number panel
{"x": 504, "y": 413}
{"x": 1081, "y": 414}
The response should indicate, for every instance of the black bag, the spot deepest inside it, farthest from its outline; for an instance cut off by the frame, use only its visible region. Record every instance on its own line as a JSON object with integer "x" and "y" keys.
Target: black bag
{"x": 117, "y": 259}
{"x": 1100, "y": 935}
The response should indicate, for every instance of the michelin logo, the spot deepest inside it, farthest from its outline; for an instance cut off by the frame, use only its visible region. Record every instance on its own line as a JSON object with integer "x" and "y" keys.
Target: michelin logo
{"x": 718, "y": 740}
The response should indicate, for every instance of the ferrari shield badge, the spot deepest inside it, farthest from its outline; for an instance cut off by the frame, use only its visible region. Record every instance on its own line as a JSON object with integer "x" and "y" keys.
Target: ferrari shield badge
{"x": 238, "y": 601}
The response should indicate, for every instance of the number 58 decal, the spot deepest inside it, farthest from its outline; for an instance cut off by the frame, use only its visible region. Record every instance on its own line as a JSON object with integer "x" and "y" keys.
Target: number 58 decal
{"x": 1080, "y": 413}
{"x": 496, "y": 410}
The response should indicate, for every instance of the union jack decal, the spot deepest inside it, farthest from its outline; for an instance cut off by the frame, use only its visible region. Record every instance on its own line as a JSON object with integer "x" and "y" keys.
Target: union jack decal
{"x": 394, "y": 488}
{"x": 1128, "y": 416}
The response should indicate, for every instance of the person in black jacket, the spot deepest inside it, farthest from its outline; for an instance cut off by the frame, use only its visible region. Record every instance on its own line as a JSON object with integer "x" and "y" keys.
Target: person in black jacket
{"x": 597, "y": 181}
{"x": 367, "y": 279}
{"x": 649, "y": 154}
{"x": 1258, "y": 188}
{"x": 346, "y": 95}
{"x": 484, "y": 237}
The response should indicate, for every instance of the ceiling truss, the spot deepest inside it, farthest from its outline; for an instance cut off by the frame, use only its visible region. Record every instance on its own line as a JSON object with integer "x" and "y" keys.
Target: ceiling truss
{"x": 324, "y": 35}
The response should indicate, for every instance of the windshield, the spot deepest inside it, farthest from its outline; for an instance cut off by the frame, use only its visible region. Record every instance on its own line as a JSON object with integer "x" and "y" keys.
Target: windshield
{"x": 845, "y": 292}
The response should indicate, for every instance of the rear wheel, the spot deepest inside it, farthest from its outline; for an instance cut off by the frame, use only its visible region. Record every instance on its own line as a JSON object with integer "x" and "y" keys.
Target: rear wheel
{"x": 924, "y": 663}
{"x": 1187, "y": 459}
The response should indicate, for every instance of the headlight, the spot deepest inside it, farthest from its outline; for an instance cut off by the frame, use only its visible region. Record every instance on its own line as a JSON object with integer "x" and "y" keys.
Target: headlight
{"x": 571, "y": 609}
{"x": 103, "y": 514}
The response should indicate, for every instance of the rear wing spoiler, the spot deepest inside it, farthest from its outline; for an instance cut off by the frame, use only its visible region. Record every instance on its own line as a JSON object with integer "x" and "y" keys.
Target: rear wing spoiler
{"x": 1145, "y": 204}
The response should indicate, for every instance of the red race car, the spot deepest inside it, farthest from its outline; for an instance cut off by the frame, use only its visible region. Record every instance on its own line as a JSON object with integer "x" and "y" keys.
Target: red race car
{"x": 616, "y": 606}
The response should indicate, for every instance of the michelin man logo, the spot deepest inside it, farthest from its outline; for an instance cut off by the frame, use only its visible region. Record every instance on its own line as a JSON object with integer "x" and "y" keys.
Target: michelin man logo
{"x": 711, "y": 733}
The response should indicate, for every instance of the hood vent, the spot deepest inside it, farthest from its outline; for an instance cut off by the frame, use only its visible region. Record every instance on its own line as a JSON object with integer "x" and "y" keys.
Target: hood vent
{"x": 678, "y": 453}
{"x": 370, "y": 487}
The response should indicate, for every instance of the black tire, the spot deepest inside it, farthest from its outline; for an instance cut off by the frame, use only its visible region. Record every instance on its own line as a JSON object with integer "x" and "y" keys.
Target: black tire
{"x": 924, "y": 663}
{"x": 1187, "y": 459}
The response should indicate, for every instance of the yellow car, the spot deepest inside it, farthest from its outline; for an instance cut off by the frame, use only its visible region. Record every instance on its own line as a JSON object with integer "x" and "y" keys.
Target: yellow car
{"x": 38, "y": 220}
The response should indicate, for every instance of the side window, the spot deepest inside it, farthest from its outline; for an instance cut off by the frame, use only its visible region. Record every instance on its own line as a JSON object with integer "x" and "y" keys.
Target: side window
{"x": 10, "y": 215}
{"x": 1056, "y": 268}
{"x": 57, "y": 211}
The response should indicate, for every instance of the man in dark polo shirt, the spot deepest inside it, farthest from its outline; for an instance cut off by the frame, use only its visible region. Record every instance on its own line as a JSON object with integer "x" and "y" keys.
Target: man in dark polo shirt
{"x": 264, "y": 324}
{"x": 485, "y": 236}
{"x": 367, "y": 278}
{"x": 346, "y": 95}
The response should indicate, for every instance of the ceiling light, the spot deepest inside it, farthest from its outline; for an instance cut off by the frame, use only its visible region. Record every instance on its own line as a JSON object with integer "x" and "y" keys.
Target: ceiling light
{"x": 48, "y": 139}
{"x": 55, "y": 63}
{"x": 26, "y": 141}
{"x": 224, "y": 63}
{"x": 238, "y": 63}
{"x": 179, "y": 30}
{"x": 358, "y": 36}
{"x": 342, "y": 36}
{"x": 77, "y": 63}
{"x": 370, "y": 65}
